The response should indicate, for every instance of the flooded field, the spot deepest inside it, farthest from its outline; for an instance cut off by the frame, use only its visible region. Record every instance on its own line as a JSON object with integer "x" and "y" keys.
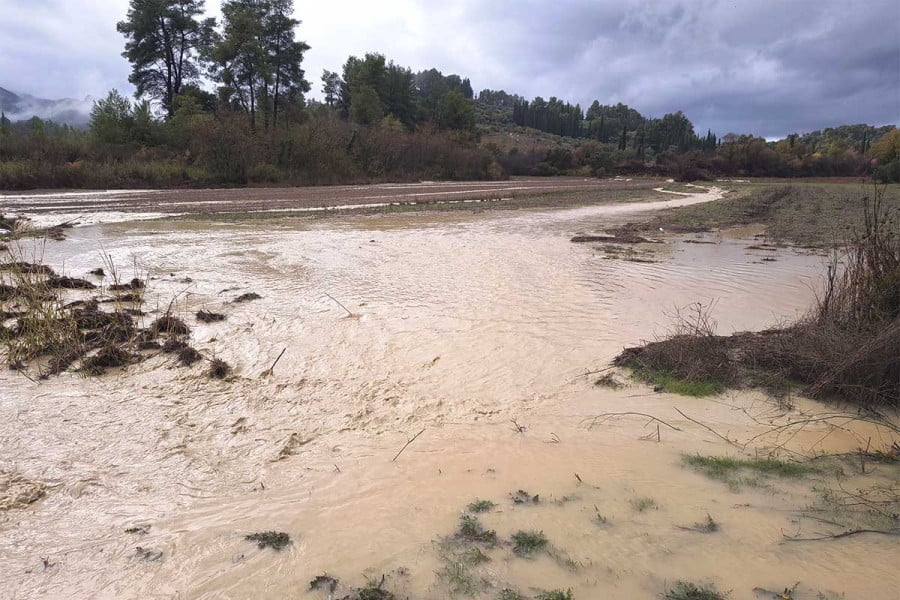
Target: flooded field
{"x": 429, "y": 360}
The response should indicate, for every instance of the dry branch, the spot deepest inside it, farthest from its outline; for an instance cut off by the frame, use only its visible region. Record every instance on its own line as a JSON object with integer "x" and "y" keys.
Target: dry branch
{"x": 408, "y": 442}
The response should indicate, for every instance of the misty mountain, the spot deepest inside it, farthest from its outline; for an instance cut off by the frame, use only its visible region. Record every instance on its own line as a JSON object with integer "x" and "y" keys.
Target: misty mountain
{"x": 21, "y": 107}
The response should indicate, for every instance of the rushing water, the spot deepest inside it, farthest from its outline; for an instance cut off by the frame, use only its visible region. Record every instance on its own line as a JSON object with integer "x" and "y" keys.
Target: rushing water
{"x": 458, "y": 324}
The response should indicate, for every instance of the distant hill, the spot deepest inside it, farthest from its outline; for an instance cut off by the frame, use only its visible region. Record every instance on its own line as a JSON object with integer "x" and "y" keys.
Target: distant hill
{"x": 21, "y": 107}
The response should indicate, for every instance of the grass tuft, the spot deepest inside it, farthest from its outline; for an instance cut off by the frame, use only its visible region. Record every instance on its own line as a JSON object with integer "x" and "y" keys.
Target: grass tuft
{"x": 643, "y": 503}
{"x": 471, "y": 530}
{"x": 555, "y": 595}
{"x": 218, "y": 369}
{"x": 527, "y": 543}
{"x": 480, "y": 506}
{"x": 277, "y": 540}
{"x": 685, "y": 590}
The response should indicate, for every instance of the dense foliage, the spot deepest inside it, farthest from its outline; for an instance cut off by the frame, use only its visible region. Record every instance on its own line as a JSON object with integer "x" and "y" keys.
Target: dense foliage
{"x": 379, "y": 121}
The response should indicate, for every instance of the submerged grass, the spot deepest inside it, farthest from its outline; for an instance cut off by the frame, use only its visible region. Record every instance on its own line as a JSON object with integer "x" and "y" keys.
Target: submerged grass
{"x": 686, "y": 590}
{"x": 528, "y": 543}
{"x": 643, "y": 503}
{"x": 277, "y": 540}
{"x": 480, "y": 506}
{"x": 731, "y": 470}
{"x": 720, "y": 466}
{"x": 555, "y": 595}
{"x": 471, "y": 530}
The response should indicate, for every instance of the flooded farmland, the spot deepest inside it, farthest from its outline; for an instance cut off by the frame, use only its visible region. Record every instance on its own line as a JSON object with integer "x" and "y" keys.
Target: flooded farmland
{"x": 430, "y": 359}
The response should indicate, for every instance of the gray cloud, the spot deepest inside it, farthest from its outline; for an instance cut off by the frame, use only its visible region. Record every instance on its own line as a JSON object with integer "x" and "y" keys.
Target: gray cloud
{"x": 767, "y": 67}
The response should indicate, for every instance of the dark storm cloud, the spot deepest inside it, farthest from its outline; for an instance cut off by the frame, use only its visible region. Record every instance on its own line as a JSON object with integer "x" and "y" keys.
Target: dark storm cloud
{"x": 767, "y": 67}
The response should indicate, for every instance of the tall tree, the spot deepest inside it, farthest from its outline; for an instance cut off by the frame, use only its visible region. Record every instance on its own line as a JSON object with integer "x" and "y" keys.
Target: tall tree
{"x": 164, "y": 38}
{"x": 331, "y": 86}
{"x": 257, "y": 59}
{"x": 238, "y": 55}
{"x": 112, "y": 118}
{"x": 284, "y": 55}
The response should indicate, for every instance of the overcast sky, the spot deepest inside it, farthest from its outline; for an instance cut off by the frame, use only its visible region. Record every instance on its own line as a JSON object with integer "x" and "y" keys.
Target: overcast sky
{"x": 768, "y": 67}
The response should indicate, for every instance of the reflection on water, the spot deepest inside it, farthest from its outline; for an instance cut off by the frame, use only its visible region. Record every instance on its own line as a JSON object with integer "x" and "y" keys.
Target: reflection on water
{"x": 460, "y": 323}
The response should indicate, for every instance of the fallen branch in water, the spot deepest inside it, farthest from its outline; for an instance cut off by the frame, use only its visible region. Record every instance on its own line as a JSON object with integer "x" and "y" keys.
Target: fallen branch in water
{"x": 349, "y": 314}
{"x": 835, "y": 536}
{"x": 709, "y": 429}
{"x": 410, "y": 441}
{"x": 599, "y": 419}
{"x": 271, "y": 369}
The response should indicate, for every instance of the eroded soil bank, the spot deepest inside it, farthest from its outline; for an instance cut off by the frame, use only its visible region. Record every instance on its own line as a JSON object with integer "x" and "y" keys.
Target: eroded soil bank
{"x": 481, "y": 330}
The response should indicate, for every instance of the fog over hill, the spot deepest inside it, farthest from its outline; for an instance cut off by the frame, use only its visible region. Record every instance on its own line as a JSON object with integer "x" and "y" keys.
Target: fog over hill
{"x": 69, "y": 111}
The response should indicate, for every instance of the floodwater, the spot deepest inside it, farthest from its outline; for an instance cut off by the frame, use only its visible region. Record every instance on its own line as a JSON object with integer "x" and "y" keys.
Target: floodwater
{"x": 479, "y": 331}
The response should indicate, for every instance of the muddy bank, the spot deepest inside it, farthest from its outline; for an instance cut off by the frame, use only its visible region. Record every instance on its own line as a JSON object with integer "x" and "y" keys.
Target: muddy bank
{"x": 454, "y": 329}
{"x": 799, "y": 213}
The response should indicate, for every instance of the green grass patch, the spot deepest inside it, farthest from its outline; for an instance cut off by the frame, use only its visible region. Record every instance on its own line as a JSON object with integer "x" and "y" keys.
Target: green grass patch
{"x": 729, "y": 470}
{"x": 556, "y": 595}
{"x": 528, "y": 543}
{"x": 471, "y": 530}
{"x": 480, "y": 506}
{"x": 666, "y": 382}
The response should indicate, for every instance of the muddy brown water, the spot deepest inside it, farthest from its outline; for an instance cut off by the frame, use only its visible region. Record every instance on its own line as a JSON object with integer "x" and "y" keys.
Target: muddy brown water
{"x": 460, "y": 324}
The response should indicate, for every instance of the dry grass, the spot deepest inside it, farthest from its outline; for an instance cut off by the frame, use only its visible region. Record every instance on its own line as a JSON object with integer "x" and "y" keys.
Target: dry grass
{"x": 847, "y": 347}
{"x": 51, "y": 323}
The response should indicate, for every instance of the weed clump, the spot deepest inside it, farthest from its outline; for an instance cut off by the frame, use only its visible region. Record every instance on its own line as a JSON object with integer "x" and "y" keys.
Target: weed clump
{"x": 458, "y": 568}
{"x": 708, "y": 526}
{"x": 205, "y": 316}
{"x": 643, "y": 503}
{"x": 480, "y": 506}
{"x": 608, "y": 381}
{"x": 555, "y": 595}
{"x": 471, "y": 530}
{"x": 277, "y": 540}
{"x": 527, "y": 543}
{"x": 324, "y": 582}
{"x": 247, "y": 297}
{"x": 685, "y": 590}
{"x": 134, "y": 284}
{"x": 187, "y": 356}
{"x": 218, "y": 369}
{"x": 169, "y": 325}
{"x": 523, "y": 497}
{"x": 718, "y": 467}
{"x": 69, "y": 283}
{"x": 108, "y": 357}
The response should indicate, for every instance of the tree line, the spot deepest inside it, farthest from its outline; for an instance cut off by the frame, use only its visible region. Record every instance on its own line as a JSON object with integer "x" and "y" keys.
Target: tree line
{"x": 379, "y": 121}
